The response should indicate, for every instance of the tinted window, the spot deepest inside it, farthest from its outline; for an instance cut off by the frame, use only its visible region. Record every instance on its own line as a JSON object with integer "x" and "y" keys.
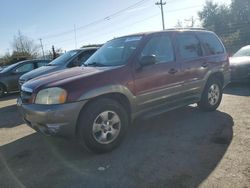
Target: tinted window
{"x": 42, "y": 63}
{"x": 160, "y": 47}
{"x": 211, "y": 44}
{"x": 25, "y": 68}
{"x": 189, "y": 46}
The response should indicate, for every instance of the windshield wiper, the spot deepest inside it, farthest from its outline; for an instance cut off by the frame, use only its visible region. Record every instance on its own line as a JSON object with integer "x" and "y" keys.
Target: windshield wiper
{"x": 95, "y": 64}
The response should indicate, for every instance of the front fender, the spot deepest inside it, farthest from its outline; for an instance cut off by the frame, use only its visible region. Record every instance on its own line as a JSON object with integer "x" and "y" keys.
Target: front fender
{"x": 111, "y": 89}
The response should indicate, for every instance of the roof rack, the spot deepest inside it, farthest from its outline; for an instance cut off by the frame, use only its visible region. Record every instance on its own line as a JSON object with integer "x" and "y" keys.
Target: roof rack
{"x": 187, "y": 28}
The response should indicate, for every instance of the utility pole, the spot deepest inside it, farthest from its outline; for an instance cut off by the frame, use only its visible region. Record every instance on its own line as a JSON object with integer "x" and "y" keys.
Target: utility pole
{"x": 162, "y": 13}
{"x": 75, "y": 35}
{"x": 191, "y": 21}
{"x": 54, "y": 52}
{"x": 41, "y": 42}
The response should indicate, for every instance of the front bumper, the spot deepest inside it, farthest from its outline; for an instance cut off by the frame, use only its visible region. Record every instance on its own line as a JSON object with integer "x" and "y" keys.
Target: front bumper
{"x": 60, "y": 119}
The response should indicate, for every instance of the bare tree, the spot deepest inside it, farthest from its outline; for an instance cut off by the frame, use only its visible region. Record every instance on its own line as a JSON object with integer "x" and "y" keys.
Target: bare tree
{"x": 24, "y": 45}
{"x": 179, "y": 24}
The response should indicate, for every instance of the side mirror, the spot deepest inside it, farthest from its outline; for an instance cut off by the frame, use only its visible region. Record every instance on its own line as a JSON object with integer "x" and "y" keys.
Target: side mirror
{"x": 147, "y": 60}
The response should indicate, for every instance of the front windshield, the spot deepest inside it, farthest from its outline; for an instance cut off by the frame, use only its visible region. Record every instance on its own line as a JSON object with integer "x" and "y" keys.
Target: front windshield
{"x": 245, "y": 51}
{"x": 61, "y": 60}
{"x": 115, "y": 52}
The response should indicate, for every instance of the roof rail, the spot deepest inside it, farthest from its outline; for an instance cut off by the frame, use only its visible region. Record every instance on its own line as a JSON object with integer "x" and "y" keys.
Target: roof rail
{"x": 187, "y": 28}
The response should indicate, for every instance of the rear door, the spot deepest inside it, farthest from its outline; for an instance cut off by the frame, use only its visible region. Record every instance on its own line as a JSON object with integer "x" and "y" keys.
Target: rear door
{"x": 194, "y": 65}
{"x": 154, "y": 83}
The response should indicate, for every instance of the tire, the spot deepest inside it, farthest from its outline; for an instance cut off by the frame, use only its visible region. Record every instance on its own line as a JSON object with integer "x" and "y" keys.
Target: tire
{"x": 102, "y": 125}
{"x": 211, "y": 96}
{"x": 2, "y": 90}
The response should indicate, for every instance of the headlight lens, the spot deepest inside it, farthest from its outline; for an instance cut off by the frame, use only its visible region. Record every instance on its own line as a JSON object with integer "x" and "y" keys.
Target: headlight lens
{"x": 54, "y": 95}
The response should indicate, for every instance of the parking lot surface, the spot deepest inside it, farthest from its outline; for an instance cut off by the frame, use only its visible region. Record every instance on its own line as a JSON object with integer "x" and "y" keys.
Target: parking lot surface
{"x": 181, "y": 148}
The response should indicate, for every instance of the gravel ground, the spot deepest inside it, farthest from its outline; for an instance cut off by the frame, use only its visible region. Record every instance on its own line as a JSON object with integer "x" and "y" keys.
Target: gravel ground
{"x": 181, "y": 148}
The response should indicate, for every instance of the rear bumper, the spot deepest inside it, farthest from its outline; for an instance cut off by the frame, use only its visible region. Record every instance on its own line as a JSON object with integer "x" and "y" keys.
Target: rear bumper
{"x": 52, "y": 119}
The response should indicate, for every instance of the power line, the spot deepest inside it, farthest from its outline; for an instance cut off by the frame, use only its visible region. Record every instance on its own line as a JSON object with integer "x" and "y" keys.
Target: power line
{"x": 97, "y": 21}
{"x": 75, "y": 35}
{"x": 180, "y": 9}
{"x": 96, "y": 34}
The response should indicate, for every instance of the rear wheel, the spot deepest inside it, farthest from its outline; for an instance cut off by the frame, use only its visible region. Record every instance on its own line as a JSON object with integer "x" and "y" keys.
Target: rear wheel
{"x": 211, "y": 96}
{"x": 2, "y": 90}
{"x": 102, "y": 125}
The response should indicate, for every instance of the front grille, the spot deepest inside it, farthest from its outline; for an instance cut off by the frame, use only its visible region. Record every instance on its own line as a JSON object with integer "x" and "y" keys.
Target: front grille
{"x": 26, "y": 96}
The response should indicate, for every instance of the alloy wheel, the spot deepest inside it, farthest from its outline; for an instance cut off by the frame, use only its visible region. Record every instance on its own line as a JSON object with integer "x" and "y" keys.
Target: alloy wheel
{"x": 106, "y": 127}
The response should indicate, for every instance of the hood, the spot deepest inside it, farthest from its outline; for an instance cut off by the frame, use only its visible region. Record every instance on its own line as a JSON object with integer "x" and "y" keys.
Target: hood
{"x": 2, "y": 74}
{"x": 239, "y": 61}
{"x": 63, "y": 76}
{"x": 40, "y": 71}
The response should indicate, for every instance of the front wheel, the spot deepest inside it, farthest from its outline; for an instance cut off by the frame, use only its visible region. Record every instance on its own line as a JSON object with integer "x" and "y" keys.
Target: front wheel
{"x": 211, "y": 96}
{"x": 102, "y": 125}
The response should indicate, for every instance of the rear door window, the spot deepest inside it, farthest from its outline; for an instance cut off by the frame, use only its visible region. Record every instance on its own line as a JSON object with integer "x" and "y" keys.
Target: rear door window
{"x": 189, "y": 46}
{"x": 161, "y": 47}
{"x": 211, "y": 43}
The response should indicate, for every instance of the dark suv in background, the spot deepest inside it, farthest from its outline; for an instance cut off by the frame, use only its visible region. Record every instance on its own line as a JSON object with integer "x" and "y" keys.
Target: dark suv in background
{"x": 9, "y": 75}
{"x": 70, "y": 59}
{"x": 138, "y": 75}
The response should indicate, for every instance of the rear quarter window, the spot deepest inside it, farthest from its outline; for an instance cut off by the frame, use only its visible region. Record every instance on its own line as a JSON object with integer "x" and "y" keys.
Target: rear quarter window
{"x": 211, "y": 43}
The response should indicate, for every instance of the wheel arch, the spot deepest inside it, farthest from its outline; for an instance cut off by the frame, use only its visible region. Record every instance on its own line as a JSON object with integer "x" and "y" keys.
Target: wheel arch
{"x": 218, "y": 75}
{"x": 118, "y": 93}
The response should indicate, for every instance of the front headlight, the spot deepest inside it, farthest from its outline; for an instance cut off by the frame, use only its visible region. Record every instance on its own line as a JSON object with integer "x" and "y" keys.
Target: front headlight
{"x": 54, "y": 95}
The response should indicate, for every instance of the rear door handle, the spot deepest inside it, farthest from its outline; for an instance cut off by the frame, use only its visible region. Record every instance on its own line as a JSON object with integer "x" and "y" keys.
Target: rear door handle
{"x": 172, "y": 71}
{"x": 204, "y": 65}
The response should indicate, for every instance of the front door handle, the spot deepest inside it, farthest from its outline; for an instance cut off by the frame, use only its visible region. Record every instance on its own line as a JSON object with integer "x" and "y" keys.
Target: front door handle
{"x": 172, "y": 71}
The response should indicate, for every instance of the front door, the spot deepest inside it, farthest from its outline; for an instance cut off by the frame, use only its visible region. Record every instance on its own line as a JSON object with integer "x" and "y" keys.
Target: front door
{"x": 154, "y": 83}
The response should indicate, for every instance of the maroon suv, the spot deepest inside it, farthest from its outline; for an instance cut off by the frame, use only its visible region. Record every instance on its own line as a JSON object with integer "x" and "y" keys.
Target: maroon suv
{"x": 130, "y": 76}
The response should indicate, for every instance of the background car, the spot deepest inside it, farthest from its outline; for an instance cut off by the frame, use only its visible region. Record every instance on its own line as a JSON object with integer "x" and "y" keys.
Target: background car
{"x": 9, "y": 75}
{"x": 70, "y": 59}
{"x": 240, "y": 65}
{"x": 2, "y": 67}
